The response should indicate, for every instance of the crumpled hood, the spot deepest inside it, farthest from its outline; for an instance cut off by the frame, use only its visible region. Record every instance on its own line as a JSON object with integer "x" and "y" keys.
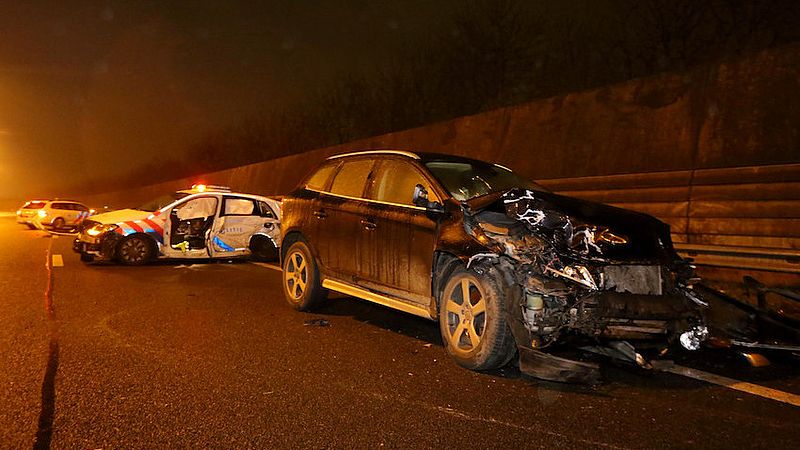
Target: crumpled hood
{"x": 120, "y": 215}
{"x": 588, "y": 228}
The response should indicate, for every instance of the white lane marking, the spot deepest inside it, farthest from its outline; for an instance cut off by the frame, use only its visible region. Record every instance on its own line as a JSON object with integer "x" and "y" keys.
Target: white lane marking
{"x": 750, "y": 388}
{"x": 58, "y": 261}
{"x": 269, "y": 266}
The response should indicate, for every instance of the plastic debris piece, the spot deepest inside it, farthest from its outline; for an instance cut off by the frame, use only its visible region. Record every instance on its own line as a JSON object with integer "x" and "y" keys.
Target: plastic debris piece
{"x": 317, "y": 323}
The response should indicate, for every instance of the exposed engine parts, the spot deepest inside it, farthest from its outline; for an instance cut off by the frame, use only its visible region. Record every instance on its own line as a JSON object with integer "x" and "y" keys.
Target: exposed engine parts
{"x": 590, "y": 275}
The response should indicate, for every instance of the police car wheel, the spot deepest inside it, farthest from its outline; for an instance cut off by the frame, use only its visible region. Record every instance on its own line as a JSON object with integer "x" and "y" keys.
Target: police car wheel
{"x": 85, "y": 257}
{"x": 58, "y": 224}
{"x": 134, "y": 251}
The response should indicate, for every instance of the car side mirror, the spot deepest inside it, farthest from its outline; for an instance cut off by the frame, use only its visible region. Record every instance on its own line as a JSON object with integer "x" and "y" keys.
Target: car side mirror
{"x": 421, "y": 199}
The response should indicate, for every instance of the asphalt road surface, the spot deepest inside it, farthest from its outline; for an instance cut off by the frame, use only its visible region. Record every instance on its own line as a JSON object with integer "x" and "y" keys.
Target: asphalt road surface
{"x": 210, "y": 355}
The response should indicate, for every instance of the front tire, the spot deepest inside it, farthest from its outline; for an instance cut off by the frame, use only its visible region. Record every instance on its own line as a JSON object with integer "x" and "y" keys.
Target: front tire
{"x": 472, "y": 321}
{"x": 135, "y": 251}
{"x": 301, "y": 283}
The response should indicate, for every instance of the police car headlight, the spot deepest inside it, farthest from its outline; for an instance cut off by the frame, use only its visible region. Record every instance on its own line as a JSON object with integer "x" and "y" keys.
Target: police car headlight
{"x": 42, "y": 213}
{"x": 100, "y": 229}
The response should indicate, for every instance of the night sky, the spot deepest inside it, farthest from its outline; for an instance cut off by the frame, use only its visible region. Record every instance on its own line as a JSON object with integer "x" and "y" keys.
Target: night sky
{"x": 100, "y": 87}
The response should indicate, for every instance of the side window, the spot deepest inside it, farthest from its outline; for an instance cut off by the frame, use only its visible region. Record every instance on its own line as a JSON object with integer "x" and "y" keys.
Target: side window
{"x": 396, "y": 181}
{"x": 320, "y": 178}
{"x": 351, "y": 178}
{"x": 266, "y": 211}
{"x": 233, "y": 206}
{"x": 61, "y": 206}
{"x": 196, "y": 208}
{"x": 79, "y": 207}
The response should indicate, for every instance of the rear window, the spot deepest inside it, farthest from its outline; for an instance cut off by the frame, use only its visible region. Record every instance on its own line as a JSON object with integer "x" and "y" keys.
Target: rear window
{"x": 351, "y": 178}
{"x": 238, "y": 207}
{"x": 34, "y": 205}
{"x": 266, "y": 211}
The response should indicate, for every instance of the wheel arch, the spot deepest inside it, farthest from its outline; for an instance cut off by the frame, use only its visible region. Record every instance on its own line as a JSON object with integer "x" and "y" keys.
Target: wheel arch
{"x": 260, "y": 237}
{"x": 289, "y": 239}
{"x": 444, "y": 264}
{"x": 147, "y": 238}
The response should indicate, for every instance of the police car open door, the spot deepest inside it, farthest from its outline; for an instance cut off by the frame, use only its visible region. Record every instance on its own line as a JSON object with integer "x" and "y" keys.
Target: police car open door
{"x": 239, "y": 220}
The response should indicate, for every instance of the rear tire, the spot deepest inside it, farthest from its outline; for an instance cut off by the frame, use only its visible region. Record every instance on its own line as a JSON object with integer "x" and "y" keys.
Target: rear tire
{"x": 85, "y": 257}
{"x": 472, "y": 321}
{"x": 301, "y": 283}
{"x": 135, "y": 250}
{"x": 263, "y": 249}
{"x": 58, "y": 224}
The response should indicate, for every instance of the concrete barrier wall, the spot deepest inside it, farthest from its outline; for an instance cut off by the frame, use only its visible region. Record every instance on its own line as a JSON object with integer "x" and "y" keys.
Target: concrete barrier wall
{"x": 714, "y": 152}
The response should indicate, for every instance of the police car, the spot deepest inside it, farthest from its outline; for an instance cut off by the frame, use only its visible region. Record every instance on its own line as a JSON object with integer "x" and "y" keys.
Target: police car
{"x": 56, "y": 215}
{"x": 211, "y": 222}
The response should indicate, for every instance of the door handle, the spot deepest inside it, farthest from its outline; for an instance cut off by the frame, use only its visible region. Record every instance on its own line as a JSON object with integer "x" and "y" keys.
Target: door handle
{"x": 320, "y": 214}
{"x": 368, "y": 224}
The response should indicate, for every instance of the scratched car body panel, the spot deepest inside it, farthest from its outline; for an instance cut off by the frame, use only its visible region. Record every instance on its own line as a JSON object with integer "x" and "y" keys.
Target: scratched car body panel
{"x": 196, "y": 226}
{"x": 547, "y": 272}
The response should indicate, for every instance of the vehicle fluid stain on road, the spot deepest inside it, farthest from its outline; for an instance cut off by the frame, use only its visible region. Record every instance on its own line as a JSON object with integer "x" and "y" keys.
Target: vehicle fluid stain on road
{"x": 44, "y": 433}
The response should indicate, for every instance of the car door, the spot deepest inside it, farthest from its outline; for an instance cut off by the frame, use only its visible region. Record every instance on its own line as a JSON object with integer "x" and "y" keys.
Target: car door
{"x": 338, "y": 219}
{"x": 306, "y": 209}
{"x": 187, "y": 227}
{"x": 239, "y": 219}
{"x": 79, "y": 212}
{"x": 61, "y": 210}
{"x": 397, "y": 238}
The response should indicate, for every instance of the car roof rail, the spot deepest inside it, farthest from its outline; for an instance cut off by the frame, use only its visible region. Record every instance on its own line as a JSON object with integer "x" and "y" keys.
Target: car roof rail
{"x": 377, "y": 152}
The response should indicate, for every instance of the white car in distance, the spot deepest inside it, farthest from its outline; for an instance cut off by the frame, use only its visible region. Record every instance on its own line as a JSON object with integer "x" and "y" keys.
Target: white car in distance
{"x": 56, "y": 215}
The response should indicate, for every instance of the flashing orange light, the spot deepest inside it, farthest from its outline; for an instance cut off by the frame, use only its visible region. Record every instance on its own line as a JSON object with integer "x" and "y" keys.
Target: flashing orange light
{"x": 200, "y": 187}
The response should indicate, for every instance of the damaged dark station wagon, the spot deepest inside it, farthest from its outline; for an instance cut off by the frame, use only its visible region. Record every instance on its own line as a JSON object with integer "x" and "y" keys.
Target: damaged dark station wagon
{"x": 506, "y": 267}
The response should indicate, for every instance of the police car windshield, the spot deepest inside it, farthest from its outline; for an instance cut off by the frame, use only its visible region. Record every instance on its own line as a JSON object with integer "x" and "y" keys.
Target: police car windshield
{"x": 160, "y": 202}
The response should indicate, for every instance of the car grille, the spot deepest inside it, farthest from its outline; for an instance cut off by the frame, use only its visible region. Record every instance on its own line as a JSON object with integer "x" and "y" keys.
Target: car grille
{"x": 633, "y": 279}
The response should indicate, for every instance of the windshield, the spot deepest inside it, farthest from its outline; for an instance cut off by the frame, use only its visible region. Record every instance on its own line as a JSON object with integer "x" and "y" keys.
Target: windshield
{"x": 160, "y": 202}
{"x": 469, "y": 179}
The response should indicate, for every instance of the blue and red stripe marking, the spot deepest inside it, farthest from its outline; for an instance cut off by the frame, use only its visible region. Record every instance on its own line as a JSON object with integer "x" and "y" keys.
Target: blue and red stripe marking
{"x": 150, "y": 226}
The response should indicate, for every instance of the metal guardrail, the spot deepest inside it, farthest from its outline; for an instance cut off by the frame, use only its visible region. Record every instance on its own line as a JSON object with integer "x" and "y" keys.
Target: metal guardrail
{"x": 746, "y": 258}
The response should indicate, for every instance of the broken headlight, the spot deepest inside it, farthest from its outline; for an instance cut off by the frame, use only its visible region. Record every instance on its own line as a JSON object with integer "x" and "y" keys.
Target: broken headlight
{"x": 99, "y": 229}
{"x": 591, "y": 237}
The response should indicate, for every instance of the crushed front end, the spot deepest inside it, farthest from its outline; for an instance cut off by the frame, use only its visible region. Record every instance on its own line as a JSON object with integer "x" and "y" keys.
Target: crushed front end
{"x": 590, "y": 277}
{"x": 96, "y": 240}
